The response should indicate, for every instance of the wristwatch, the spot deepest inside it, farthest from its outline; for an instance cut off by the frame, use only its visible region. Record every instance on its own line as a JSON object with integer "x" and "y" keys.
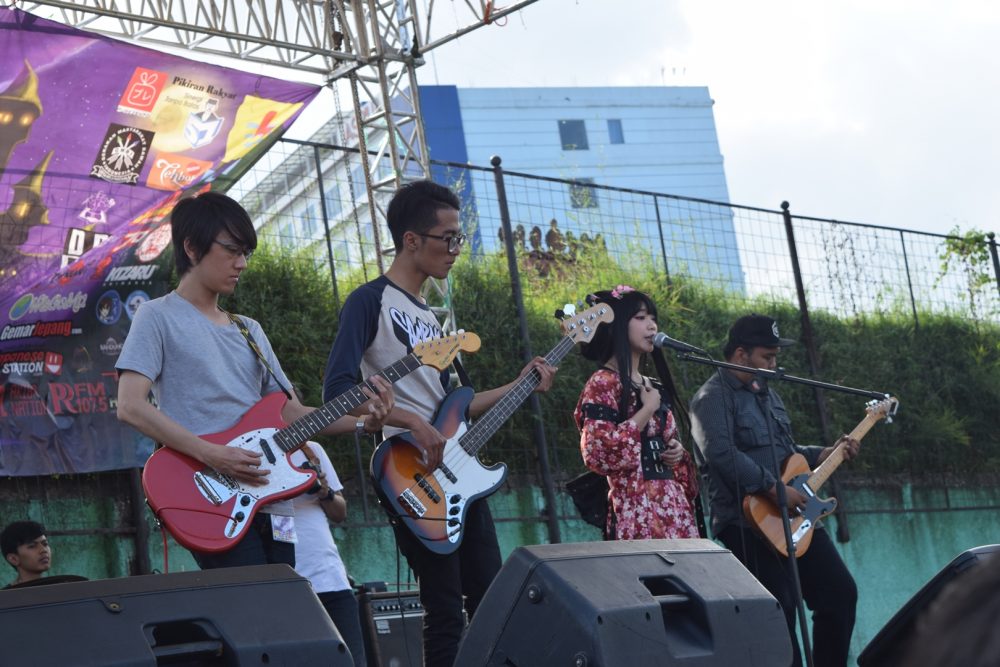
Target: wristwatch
{"x": 359, "y": 427}
{"x": 328, "y": 496}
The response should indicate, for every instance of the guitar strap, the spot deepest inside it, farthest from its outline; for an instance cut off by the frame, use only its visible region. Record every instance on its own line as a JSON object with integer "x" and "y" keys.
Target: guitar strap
{"x": 463, "y": 377}
{"x": 256, "y": 349}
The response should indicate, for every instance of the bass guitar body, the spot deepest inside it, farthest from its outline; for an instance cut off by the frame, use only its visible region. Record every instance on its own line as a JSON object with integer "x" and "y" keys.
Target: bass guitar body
{"x": 433, "y": 505}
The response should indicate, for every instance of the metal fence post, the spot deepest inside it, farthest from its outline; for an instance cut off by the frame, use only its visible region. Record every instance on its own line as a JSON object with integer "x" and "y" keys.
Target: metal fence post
{"x": 137, "y": 502}
{"x": 909, "y": 280}
{"x": 996, "y": 262}
{"x": 536, "y": 407}
{"x": 326, "y": 224}
{"x": 663, "y": 244}
{"x": 843, "y": 535}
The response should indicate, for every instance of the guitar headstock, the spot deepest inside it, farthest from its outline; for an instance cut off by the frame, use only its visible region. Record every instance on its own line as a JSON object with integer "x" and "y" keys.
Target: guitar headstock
{"x": 884, "y": 409}
{"x": 440, "y": 352}
{"x": 582, "y": 326}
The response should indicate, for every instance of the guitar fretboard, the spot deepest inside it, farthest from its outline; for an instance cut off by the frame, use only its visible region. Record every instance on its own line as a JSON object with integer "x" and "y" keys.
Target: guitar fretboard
{"x": 836, "y": 457}
{"x": 489, "y": 423}
{"x": 292, "y": 436}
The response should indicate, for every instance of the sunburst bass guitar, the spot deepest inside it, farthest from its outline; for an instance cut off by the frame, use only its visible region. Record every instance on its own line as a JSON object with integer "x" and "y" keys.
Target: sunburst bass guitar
{"x": 433, "y": 504}
{"x": 208, "y": 511}
{"x": 765, "y": 516}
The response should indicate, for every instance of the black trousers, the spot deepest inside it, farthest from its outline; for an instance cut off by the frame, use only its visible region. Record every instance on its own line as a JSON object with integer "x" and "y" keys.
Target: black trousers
{"x": 446, "y": 580}
{"x": 827, "y": 588}
{"x": 258, "y": 547}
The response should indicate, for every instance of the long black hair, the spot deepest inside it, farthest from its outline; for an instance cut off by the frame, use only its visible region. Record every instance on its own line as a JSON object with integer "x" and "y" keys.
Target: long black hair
{"x": 611, "y": 340}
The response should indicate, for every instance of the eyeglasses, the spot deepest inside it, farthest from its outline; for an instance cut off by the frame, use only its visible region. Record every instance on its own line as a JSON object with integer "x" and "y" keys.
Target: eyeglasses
{"x": 235, "y": 250}
{"x": 454, "y": 241}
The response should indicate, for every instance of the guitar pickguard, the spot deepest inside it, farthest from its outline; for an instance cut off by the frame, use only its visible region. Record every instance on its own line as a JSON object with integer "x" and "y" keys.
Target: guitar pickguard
{"x": 433, "y": 505}
{"x": 816, "y": 507}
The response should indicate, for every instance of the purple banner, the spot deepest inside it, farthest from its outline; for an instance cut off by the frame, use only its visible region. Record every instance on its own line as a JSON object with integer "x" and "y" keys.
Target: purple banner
{"x": 98, "y": 140}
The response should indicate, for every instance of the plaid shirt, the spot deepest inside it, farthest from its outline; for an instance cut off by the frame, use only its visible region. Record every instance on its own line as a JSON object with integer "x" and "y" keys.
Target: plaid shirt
{"x": 732, "y": 433}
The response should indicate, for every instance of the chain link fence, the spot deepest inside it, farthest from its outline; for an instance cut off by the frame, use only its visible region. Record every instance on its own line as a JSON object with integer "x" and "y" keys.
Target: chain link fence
{"x": 312, "y": 198}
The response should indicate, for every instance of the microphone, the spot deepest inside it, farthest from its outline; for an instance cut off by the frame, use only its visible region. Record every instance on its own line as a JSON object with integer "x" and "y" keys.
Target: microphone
{"x": 663, "y": 340}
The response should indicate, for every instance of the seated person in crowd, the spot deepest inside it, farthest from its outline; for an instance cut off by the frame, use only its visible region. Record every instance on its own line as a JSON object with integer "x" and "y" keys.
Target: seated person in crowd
{"x": 27, "y": 550}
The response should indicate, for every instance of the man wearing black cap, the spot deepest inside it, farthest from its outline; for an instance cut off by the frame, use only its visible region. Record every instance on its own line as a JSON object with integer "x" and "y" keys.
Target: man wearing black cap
{"x": 734, "y": 441}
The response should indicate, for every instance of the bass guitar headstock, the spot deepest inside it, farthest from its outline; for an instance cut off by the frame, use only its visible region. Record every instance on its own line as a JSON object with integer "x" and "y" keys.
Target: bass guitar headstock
{"x": 582, "y": 326}
{"x": 440, "y": 352}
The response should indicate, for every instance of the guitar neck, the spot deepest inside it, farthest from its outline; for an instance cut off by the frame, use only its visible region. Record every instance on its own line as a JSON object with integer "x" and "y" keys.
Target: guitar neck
{"x": 477, "y": 436}
{"x": 295, "y": 434}
{"x": 832, "y": 462}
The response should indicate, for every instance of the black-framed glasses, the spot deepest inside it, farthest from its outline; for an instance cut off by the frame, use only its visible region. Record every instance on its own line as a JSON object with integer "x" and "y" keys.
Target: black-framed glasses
{"x": 455, "y": 241}
{"x": 235, "y": 250}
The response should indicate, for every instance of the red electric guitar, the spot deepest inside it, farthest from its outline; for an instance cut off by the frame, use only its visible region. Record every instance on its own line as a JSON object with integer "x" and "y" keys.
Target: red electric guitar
{"x": 208, "y": 511}
{"x": 432, "y": 504}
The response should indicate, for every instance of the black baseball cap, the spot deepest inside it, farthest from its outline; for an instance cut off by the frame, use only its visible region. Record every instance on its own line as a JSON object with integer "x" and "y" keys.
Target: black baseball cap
{"x": 757, "y": 331}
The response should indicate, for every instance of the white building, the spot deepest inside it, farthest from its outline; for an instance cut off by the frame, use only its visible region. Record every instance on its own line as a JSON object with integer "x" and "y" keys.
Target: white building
{"x": 650, "y": 139}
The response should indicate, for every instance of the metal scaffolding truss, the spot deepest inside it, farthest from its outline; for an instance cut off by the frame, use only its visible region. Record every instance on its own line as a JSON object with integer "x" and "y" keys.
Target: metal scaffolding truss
{"x": 295, "y": 34}
{"x": 376, "y": 44}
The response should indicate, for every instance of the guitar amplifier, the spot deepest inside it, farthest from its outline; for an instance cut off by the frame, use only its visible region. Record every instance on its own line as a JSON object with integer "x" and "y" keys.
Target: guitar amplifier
{"x": 392, "y": 625}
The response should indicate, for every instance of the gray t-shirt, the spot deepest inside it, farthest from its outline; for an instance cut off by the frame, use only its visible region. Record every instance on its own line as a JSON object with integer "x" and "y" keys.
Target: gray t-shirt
{"x": 205, "y": 376}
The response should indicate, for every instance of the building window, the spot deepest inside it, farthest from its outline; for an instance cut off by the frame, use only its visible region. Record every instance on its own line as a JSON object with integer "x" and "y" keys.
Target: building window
{"x": 582, "y": 195}
{"x": 359, "y": 184}
{"x": 333, "y": 203}
{"x": 309, "y": 222}
{"x": 287, "y": 235}
{"x": 574, "y": 135}
{"x": 615, "y": 133}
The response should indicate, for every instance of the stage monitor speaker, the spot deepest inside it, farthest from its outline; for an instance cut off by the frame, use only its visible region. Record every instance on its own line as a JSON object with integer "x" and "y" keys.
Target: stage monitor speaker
{"x": 260, "y": 615}
{"x": 392, "y": 624}
{"x": 637, "y": 603}
{"x": 888, "y": 647}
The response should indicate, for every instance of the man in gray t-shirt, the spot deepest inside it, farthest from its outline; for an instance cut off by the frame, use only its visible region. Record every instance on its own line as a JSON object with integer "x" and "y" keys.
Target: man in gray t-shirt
{"x": 204, "y": 374}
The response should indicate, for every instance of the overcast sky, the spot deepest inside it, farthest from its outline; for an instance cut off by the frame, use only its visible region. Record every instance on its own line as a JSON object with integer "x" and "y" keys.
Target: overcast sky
{"x": 880, "y": 112}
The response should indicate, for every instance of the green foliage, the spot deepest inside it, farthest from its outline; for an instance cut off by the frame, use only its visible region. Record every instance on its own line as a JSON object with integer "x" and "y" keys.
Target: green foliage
{"x": 969, "y": 255}
{"x": 294, "y": 303}
{"x": 944, "y": 373}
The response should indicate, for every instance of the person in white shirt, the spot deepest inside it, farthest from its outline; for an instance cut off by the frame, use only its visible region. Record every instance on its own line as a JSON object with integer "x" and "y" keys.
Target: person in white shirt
{"x": 316, "y": 555}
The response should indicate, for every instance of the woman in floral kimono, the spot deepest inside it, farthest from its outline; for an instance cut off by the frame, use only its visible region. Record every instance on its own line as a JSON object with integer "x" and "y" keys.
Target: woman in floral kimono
{"x": 628, "y": 426}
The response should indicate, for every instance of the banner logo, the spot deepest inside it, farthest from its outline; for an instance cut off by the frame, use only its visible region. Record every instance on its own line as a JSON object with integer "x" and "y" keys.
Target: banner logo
{"x": 256, "y": 119}
{"x": 133, "y": 301}
{"x": 36, "y": 330}
{"x": 22, "y": 363}
{"x": 143, "y": 90}
{"x": 79, "y": 241}
{"x": 53, "y": 362}
{"x": 131, "y": 274}
{"x": 96, "y": 207}
{"x": 204, "y": 125}
{"x": 29, "y": 303}
{"x": 111, "y": 347}
{"x": 123, "y": 153}
{"x": 175, "y": 172}
{"x": 109, "y": 308}
{"x": 20, "y": 307}
{"x": 155, "y": 243}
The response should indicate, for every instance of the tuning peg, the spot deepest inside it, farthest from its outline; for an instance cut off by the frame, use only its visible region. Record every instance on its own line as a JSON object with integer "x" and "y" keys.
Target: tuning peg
{"x": 569, "y": 309}
{"x": 559, "y": 314}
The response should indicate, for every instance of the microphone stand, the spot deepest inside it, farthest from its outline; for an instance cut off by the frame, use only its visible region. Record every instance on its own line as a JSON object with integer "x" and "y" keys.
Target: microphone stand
{"x": 763, "y": 398}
